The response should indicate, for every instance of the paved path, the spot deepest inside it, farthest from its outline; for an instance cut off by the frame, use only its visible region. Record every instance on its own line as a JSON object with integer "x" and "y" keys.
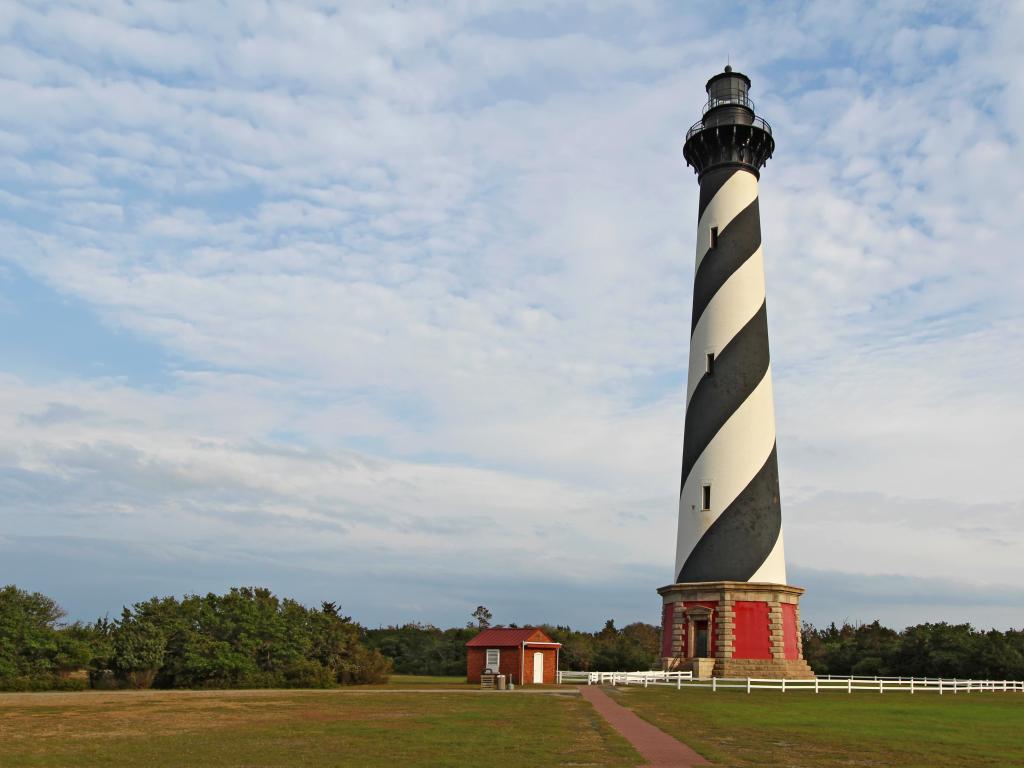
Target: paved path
{"x": 657, "y": 747}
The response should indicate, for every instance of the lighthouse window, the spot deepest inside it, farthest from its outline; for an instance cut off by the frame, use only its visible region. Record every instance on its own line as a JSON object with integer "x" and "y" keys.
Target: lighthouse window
{"x": 709, "y": 366}
{"x": 705, "y": 498}
{"x": 714, "y": 237}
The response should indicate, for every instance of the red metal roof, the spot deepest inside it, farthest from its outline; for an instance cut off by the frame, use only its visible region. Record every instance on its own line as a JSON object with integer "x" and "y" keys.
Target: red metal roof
{"x": 497, "y": 637}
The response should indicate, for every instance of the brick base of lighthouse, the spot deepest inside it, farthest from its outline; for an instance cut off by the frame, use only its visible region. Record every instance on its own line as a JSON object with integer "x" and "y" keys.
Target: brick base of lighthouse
{"x": 733, "y": 629}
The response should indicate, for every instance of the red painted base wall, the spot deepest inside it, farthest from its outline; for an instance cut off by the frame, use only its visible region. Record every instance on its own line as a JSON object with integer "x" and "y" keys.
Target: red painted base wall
{"x": 752, "y": 631}
{"x": 667, "y": 613}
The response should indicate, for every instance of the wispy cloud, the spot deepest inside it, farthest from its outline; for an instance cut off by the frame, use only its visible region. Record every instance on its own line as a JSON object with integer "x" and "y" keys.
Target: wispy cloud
{"x": 418, "y": 280}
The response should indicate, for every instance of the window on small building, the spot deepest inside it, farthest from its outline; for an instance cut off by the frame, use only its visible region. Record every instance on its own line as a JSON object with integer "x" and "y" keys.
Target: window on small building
{"x": 709, "y": 365}
{"x": 493, "y": 658}
{"x": 714, "y": 237}
{"x": 705, "y": 498}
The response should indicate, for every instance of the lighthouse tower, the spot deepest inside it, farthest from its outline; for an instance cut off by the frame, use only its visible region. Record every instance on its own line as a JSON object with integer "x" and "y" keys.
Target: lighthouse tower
{"x": 730, "y": 612}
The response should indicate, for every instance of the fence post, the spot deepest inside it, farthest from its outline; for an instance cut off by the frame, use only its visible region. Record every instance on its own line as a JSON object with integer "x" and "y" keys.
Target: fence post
{"x": 783, "y": 685}
{"x": 911, "y": 685}
{"x": 881, "y": 686}
{"x": 714, "y": 681}
{"x": 815, "y": 685}
{"x": 679, "y": 683}
{"x": 748, "y": 685}
{"x": 849, "y": 685}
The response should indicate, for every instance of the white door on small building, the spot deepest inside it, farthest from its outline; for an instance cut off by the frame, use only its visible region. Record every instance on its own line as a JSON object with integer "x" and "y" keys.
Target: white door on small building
{"x": 538, "y": 667}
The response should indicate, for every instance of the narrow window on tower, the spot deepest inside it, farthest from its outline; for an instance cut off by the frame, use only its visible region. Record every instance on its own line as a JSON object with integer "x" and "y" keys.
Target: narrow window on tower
{"x": 709, "y": 365}
{"x": 714, "y": 238}
{"x": 705, "y": 498}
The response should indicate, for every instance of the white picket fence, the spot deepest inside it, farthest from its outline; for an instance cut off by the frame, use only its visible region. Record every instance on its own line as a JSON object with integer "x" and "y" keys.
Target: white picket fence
{"x": 623, "y": 678}
{"x": 823, "y": 683}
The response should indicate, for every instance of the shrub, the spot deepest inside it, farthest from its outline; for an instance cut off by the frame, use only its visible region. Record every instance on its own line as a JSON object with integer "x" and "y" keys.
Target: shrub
{"x": 369, "y": 667}
{"x": 247, "y": 638}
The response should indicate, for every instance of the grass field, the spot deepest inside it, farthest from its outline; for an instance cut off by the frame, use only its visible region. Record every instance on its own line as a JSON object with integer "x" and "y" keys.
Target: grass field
{"x": 369, "y": 728}
{"x": 764, "y": 728}
{"x": 427, "y": 681}
{"x": 418, "y": 721}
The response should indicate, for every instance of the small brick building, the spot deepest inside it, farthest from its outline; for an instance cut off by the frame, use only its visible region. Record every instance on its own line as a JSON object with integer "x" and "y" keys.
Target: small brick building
{"x": 525, "y": 656}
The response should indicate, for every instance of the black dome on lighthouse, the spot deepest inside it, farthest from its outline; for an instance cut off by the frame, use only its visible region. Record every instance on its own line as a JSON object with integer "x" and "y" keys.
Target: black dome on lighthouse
{"x": 730, "y": 133}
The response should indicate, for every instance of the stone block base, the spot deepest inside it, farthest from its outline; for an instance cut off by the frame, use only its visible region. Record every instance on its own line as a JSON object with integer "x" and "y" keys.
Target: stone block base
{"x": 702, "y": 668}
{"x": 738, "y": 629}
{"x": 791, "y": 669}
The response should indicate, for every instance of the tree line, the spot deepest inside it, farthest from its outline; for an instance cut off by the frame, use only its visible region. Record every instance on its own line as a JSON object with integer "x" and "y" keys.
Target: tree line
{"x": 249, "y": 638}
{"x": 246, "y": 638}
{"x": 924, "y": 650}
{"x": 428, "y": 650}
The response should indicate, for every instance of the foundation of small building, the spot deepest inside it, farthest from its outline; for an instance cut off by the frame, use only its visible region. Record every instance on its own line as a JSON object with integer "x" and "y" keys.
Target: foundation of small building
{"x": 733, "y": 629}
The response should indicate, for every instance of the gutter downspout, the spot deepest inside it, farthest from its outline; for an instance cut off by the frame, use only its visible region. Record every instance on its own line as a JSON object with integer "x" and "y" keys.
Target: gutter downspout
{"x": 522, "y": 664}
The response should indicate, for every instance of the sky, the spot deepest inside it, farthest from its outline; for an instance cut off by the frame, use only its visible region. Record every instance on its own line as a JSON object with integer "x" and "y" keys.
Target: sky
{"x": 388, "y": 303}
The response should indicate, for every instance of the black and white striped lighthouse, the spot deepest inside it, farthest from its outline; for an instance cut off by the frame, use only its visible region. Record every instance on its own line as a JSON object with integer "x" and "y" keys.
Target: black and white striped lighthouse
{"x": 730, "y": 605}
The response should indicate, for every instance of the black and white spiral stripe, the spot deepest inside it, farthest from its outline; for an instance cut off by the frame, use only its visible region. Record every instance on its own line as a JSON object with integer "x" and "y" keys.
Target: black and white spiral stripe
{"x": 729, "y": 440}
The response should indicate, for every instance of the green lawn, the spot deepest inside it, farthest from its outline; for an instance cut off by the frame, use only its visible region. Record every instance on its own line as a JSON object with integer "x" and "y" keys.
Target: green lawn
{"x": 434, "y": 726}
{"x": 428, "y": 681}
{"x": 348, "y": 727}
{"x": 764, "y": 728}
{"x": 439, "y": 681}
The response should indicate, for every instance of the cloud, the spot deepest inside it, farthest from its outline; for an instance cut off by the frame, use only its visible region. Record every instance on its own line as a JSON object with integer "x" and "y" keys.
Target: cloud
{"x": 898, "y": 600}
{"x": 421, "y": 279}
{"x": 54, "y": 413}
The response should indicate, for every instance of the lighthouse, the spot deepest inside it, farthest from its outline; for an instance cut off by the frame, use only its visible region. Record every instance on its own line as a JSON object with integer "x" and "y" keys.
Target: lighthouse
{"x": 730, "y": 611}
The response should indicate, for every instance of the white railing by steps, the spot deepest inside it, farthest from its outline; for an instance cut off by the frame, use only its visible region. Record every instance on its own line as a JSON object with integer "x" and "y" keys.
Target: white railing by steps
{"x": 823, "y": 683}
{"x": 623, "y": 678}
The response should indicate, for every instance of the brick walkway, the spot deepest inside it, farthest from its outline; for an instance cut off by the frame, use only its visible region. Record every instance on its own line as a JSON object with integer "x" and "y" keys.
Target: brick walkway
{"x": 657, "y": 747}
